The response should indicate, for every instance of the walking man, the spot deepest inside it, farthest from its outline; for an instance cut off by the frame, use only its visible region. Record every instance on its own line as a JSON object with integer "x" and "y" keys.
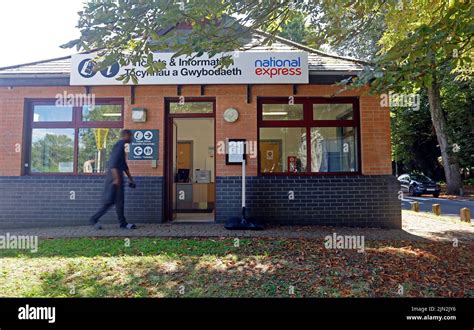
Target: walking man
{"x": 114, "y": 191}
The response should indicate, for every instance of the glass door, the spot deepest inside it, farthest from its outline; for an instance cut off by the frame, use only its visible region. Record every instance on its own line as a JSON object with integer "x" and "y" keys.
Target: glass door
{"x": 190, "y": 160}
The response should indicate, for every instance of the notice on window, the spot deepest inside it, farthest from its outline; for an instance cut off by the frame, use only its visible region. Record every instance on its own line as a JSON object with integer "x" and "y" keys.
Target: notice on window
{"x": 144, "y": 145}
{"x": 235, "y": 151}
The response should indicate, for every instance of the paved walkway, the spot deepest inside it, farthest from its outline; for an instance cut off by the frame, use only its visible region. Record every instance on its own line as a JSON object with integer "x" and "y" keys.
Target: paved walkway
{"x": 423, "y": 225}
{"x": 414, "y": 228}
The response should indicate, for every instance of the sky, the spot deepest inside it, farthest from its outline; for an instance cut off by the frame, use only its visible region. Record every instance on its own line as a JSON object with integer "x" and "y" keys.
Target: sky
{"x": 33, "y": 30}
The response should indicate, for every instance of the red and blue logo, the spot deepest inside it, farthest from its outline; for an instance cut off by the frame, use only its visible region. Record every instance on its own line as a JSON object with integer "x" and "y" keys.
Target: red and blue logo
{"x": 275, "y": 67}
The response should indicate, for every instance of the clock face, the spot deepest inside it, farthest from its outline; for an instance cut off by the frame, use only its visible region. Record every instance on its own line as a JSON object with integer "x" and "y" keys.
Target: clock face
{"x": 231, "y": 115}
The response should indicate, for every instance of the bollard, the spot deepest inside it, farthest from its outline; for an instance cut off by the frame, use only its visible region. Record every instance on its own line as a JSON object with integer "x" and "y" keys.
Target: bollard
{"x": 466, "y": 215}
{"x": 436, "y": 209}
{"x": 415, "y": 206}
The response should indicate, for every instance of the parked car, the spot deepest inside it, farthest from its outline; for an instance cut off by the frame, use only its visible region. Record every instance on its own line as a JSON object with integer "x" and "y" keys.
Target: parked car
{"x": 418, "y": 184}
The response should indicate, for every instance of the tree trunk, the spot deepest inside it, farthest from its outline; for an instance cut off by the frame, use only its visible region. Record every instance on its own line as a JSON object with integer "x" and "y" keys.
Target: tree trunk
{"x": 450, "y": 161}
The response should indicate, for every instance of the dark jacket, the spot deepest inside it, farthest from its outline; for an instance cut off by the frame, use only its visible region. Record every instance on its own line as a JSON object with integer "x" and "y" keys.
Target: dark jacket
{"x": 117, "y": 158}
{"x": 118, "y": 161}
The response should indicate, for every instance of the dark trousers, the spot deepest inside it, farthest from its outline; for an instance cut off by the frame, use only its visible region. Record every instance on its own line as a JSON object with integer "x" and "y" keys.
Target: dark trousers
{"x": 113, "y": 195}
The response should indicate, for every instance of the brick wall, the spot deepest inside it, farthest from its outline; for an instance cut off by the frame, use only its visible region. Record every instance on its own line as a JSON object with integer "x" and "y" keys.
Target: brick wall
{"x": 361, "y": 201}
{"x": 375, "y": 121}
{"x": 37, "y": 201}
{"x": 44, "y": 200}
{"x": 375, "y": 134}
{"x": 330, "y": 200}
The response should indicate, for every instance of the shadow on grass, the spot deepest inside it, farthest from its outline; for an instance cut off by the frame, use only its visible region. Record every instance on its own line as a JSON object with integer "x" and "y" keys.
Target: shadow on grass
{"x": 56, "y": 283}
{"x": 135, "y": 279}
{"x": 105, "y": 247}
{"x": 293, "y": 268}
{"x": 251, "y": 267}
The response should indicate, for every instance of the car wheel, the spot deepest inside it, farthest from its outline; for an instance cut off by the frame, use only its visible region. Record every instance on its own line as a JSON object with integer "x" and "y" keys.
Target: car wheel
{"x": 436, "y": 195}
{"x": 411, "y": 192}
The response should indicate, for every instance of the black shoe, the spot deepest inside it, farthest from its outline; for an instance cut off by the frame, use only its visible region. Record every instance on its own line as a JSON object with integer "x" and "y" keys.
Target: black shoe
{"x": 128, "y": 226}
{"x": 97, "y": 225}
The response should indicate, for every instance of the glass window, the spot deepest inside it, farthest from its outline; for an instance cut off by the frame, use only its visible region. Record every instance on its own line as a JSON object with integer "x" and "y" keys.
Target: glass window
{"x": 282, "y": 112}
{"x": 282, "y": 149}
{"x": 421, "y": 178}
{"x": 333, "y": 111}
{"x": 104, "y": 112}
{"x": 95, "y": 145}
{"x": 317, "y": 135}
{"x": 333, "y": 149}
{"x": 52, "y": 151}
{"x": 191, "y": 107}
{"x": 62, "y": 144}
{"x": 42, "y": 113}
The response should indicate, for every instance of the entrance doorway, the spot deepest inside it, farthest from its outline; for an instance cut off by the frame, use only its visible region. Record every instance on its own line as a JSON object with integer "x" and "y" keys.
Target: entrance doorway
{"x": 190, "y": 161}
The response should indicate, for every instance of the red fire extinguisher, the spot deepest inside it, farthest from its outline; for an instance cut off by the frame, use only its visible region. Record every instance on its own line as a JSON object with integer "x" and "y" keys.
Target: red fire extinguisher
{"x": 292, "y": 164}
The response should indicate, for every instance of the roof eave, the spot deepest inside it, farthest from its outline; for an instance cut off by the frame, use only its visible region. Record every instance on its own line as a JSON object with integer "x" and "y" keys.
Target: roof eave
{"x": 38, "y": 80}
{"x": 33, "y": 75}
{"x": 67, "y": 75}
{"x": 335, "y": 73}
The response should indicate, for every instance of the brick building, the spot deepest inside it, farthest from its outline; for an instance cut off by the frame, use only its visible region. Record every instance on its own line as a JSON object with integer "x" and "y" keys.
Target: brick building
{"x": 322, "y": 155}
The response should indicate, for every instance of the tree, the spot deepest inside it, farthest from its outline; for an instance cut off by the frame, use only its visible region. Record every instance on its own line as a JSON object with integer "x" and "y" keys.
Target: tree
{"x": 414, "y": 143}
{"x": 420, "y": 39}
{"x": 347, "y": 31}
{"x": 457, "y": 99}
{"x": 432, "y": 38}
{"x": 295, "y": 29}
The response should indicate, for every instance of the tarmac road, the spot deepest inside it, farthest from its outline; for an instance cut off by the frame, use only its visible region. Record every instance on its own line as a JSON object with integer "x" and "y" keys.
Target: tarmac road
{"x": 448, "y": 207}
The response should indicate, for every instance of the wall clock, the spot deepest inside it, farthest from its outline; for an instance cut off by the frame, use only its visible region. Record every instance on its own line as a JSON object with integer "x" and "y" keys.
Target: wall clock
{"x": 231, "y": 115}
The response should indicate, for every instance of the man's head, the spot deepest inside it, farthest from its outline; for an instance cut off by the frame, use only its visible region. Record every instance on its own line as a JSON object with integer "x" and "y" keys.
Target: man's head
{"x": 126, "y": 135}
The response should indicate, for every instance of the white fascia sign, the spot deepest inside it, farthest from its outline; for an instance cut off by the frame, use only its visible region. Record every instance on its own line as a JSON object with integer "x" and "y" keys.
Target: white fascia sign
{"x": 249, "y": 67}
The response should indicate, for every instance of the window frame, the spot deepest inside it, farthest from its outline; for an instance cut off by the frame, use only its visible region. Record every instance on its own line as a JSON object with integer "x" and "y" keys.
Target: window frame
{"x": 173, "y": 100}
{"x": 77, "y": 123}
{"x": 308, "y": 122}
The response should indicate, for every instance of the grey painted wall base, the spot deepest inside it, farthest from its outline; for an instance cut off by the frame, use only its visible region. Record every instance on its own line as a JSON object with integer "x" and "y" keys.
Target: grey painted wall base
{"x": 38, "y": 201}
{"x": 360, "y": 201}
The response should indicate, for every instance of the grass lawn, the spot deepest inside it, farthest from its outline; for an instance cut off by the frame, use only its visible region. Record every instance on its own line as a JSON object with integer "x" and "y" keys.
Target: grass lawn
{"x": 148, "y": 267}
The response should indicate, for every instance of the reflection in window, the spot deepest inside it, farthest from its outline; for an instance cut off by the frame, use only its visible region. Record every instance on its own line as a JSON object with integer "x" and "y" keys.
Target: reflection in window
{"x": 42, "y": 113}
{"x": 52, "y": 151}
{"x": 95, "y": 145}
{"x": 282, "y": 112}
{"x": 333, "y": 111}
{"x": 192, "y": 107}
{"x": 112, "y": 112}
{"x": 282, "y": 150}
{"x": 333, "y": 149}
{"x": 72, "y": 139}
{"x": 322, "y": 138}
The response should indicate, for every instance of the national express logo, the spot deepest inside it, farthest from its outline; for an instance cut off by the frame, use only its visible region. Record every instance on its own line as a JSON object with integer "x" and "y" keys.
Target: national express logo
{"x": 274, "y": 67}
{"x": 86, "y": 69}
